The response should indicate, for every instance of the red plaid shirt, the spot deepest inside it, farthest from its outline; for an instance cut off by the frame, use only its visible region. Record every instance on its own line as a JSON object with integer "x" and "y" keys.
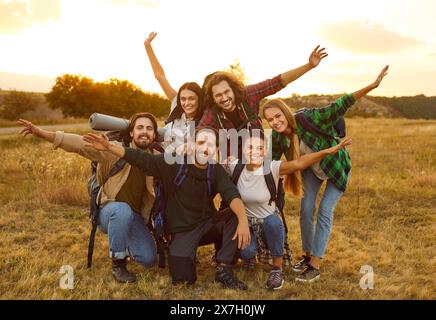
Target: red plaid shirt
{"x": 255, "y": 93}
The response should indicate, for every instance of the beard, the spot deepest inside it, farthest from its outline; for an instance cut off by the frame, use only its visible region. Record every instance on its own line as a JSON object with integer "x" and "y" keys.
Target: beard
{"x": 143, "y": 144}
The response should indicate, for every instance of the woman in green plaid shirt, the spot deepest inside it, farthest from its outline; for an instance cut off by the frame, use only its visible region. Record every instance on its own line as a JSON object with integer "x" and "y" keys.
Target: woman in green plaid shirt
{"x": 310, "y": 131}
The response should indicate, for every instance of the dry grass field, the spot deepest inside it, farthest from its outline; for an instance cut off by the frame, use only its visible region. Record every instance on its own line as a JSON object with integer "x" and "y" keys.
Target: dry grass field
{"x": 386, "y": 220}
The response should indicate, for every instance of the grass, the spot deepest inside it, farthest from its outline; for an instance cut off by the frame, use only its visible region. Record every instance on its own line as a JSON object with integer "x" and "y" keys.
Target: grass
{"x": 10, "y": 123}
{"x": 386, "y": 219}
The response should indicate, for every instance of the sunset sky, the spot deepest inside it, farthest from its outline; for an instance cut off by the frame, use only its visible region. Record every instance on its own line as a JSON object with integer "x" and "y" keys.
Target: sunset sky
{"x": 104, "y": 39}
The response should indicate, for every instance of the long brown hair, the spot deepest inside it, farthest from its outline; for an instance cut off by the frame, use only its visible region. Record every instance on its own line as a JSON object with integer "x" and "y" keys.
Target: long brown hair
{"x": 215, "y": 78}
{"x": 178, "y": 110}
{"x": 293, "y": 181}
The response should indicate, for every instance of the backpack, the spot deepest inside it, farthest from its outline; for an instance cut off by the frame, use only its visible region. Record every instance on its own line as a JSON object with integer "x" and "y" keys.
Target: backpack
{"x": 277, "y": 193}
{"x": 157, "y": 223}
{"x": 95, "y": 195}
{"x": 339, "y": 126}
{"x": 158, "y": 217}
{"x": 94, "y": 189}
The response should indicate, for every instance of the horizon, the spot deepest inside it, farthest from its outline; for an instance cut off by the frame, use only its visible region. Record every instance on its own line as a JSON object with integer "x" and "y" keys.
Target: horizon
{"x": 108, "y": 42}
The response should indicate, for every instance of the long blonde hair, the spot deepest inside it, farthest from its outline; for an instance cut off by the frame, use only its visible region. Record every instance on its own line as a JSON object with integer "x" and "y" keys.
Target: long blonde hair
{"x": 293, "y": 181}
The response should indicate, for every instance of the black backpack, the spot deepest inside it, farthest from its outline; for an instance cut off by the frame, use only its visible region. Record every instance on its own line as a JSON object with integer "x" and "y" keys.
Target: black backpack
{"x": 94, "y": 193}
{"x": 339, "y": 126}
{"x": 277, "y": 194}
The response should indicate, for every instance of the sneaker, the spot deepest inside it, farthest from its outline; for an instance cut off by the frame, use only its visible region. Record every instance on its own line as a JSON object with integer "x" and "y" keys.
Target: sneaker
{"x": 249, "y": 264}
{"x": 275, "y": 279}
{"x": 309, "y": 275}
{"x": 301, "y": 265}
{"x": 225, "y": 276}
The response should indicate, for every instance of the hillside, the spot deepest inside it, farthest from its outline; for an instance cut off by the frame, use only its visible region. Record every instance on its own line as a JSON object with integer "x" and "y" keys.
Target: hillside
{"x": 417, "y": 107}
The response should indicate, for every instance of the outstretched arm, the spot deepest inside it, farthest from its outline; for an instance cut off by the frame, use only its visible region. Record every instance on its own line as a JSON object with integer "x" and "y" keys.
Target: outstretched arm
{"x": 314, "y": 59}
{"x": 30, "y": 128}
{"x": 152, "y": 165}
{"x": 158, "y": 71}
{"x": 327, "y": 116}
{"x": 287, "y": 167}
{"x": 364, "y": 91}
{"x": 101, "y": 143}
{"x": 67, "y": 141}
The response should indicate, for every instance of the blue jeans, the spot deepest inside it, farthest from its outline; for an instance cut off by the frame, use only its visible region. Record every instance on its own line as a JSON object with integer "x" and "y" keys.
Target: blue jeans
{"x": 128, "y": 234}
{"x": 274, "y": 235}
{"x": 315, "y": 240}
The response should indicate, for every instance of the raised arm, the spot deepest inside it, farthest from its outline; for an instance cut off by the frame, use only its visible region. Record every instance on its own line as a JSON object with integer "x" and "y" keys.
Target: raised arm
{"x": 158, "y": 71}
{"x": 314, "y": 59}
{"x": 364, "y": 91}
{"x": 287, "y": 167}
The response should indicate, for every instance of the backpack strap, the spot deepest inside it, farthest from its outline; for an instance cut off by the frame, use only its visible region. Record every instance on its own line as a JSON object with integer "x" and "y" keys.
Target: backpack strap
{"x": 306, "y": 124}
{"x": 237, "y": 172}
{"x": 309, "y": 126}
{"x": 276, "y": 195}
{"x": 95, "y": 206}
{"x": 271, "y": 185}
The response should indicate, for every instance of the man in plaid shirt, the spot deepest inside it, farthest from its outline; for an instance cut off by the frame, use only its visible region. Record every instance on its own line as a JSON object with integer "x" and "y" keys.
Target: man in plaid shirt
{"x": 232, "y": 105}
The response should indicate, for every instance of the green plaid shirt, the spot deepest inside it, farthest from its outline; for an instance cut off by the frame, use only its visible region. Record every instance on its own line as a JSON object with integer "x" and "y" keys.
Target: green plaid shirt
{"x": 336, "y": 166}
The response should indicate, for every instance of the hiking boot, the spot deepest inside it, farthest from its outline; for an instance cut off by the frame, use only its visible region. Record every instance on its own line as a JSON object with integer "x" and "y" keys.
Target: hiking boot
{"x": 249, "y": 264}
{"x": 309, "y": 275}
{"x": 120, "y": 272}
{"x": 275, "y": 279}
{"x": 301, "y": 265}
{"x": 225, "y": 276}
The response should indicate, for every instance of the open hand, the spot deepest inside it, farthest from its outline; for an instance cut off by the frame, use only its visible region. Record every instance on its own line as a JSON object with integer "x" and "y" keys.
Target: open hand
{"x": 98, "y": 142}
{"x": 380, "y": 77}
{"x": 344, "y": 143}
{"x": 29, "y": 128}
{"x": 316, "y": 56}
{"x": 150, "y": 38}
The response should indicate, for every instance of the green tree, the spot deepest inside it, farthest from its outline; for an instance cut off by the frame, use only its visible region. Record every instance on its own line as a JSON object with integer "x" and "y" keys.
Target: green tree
{"x": 79, "y": 96}
{"x": 15, "y": 103}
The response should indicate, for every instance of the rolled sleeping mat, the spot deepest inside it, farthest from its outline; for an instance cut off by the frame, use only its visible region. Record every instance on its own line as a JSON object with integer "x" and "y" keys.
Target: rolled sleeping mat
{"x": 103, "y": 122}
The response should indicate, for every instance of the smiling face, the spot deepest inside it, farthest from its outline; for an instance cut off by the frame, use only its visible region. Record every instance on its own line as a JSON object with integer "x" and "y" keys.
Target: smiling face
{"x": 189, "y": 102}
{"x": 205, "y": 146}
{"x": 254, "y": 150}
{"x": 143, "y": 133}
{"x": 223, "y": 96}
{"x": 276, "y": 119}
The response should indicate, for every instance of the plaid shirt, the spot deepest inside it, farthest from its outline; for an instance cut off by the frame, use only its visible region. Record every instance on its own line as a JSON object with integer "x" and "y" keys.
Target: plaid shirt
{"x": 263, "y": 253}
{"x": 336, "y": 166}
{"x": 216, "y": 119}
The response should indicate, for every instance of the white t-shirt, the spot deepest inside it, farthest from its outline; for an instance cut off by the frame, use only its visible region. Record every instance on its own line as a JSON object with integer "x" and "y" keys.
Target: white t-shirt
{"x": 254, "y": 191}
{"x": 316, "y": 167}
{"x": 176, "y": 132}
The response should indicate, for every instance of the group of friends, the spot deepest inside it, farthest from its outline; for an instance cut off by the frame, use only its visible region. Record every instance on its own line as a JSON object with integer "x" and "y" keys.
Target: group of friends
{"x": 306, "y": 151}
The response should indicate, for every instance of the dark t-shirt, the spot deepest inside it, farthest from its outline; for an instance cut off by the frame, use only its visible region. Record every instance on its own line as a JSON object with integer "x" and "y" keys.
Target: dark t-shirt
{"x": 133, "y": 189}
{"x": 234, "y": 117}
{"x": 189, "y": 204}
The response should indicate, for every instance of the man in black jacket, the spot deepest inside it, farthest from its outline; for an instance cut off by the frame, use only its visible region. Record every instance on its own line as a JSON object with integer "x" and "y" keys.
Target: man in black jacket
{"x": 192, "y": 219}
